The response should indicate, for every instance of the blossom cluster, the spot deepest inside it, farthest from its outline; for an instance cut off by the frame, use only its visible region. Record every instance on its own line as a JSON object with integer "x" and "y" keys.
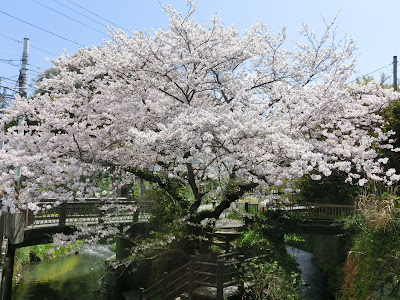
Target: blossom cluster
{"x": 200, "y": 102}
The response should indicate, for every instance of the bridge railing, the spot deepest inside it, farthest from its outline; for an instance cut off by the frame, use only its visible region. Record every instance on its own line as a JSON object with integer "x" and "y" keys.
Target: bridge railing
{"x": 320, "y": 211}
{"x": 199, "y": 278}
{"x": 306, "y": 210}
{"x": 87, "y": 211}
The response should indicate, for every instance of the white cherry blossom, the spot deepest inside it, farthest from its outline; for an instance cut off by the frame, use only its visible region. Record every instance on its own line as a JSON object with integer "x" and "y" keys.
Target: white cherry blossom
{"x": 200, "y": 102}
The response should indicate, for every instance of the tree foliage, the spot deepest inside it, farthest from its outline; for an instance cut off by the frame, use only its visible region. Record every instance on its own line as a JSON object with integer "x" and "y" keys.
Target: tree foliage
{"x": 193, "y": 103}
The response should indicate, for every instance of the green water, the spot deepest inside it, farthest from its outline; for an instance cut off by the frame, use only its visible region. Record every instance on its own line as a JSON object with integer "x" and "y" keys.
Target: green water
{"x": 74, "y": 277}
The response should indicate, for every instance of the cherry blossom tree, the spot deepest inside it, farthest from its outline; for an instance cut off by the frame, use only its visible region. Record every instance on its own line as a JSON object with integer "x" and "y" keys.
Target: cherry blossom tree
{"x": 192, "y": 103}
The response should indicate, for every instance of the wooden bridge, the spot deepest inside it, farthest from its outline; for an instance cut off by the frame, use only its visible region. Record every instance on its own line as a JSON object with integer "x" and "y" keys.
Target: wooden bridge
{"x": 88, "y": 211}
{"x": 220, "y": 277}
{"x": 25, "y": 229}
{"x": 60, "y": 218}
{"x": 24, "y": 226}
{"x": 93, "y": 211}
{"x": 310, "y": 211}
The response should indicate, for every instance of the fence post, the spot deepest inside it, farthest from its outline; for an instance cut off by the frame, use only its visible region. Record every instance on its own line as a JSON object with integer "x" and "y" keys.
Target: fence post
{"x": 220, "y": 279}
{"x": 2, "y": 224}
{"x": 214, "y": 257}
{"x": 101, "y": 215}
{"x": 192, "y": 262}
{"x": 246, "y": 210}
{"x": 141, "y": 293}
{"x": 26, "y": 217}
{"x": 227, "y": 244}
{"x": 62, "y": 218}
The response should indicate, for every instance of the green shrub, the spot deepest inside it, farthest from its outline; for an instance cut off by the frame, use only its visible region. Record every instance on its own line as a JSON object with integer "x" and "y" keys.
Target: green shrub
{"x": 374, "y": 260}
{"x": 164, "y": 211}
{"x": 234, "y": 215}
{"x": 270, "y": 281}
{"x": 252, "y": 243}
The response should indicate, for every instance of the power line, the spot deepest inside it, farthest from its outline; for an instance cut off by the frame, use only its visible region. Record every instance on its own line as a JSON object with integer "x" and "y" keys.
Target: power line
{"x": 8, "y": 79}
{"x": 33, "y": 73}
{"x": 97, "y": 15}
{"x": 7, "y": 59}
{"x": 74, "y": 10}
{"x": 9, "y": 63}
{"x": 371, "y": 72}
{"x": 8, "y": 54}
{"x": 39, "y": 68}
{"x": 10, "y": 38}
{"x": 9, "y": 88}
{"x": 64, "y": 15}
{"x": 45, "y": 30}
{"x": 31, "y": 46}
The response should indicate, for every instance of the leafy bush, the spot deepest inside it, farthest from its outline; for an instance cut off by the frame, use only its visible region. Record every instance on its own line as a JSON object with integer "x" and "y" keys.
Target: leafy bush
{"x": 374, "y": 260}
{"x": 270, "y": 281}
{"x": 234, "y": 215}
{"x": 380, "y": 211}
{"x": 296, "y": 240}
{"x": 252, "y": 243}
{"x": 332, "y": 189}
{"x": 273, "y": 277}
{"x": 164, "y": 211}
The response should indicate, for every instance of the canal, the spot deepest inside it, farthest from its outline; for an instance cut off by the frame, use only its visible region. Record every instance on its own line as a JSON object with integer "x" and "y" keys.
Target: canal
{"x": 315, "y": 285}
{"x": 81, "y": 276}
{"x": 84, "y": 276}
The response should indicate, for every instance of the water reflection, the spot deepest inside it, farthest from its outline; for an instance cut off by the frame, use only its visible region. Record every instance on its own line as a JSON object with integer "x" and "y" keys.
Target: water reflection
{"x": 314, "y": 287}
{"x": 69, "y": 277}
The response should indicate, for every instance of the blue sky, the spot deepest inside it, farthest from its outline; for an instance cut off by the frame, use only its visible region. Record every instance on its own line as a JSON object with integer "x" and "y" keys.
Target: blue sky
{"x": 373, "y": 24}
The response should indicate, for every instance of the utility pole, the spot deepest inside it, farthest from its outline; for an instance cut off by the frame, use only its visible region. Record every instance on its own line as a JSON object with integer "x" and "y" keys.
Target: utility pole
{"x": 23, "y": 93}
{"x": 395, "y": 73}
{"x": 24, "y": 69}
{"x": 2, "y": 106}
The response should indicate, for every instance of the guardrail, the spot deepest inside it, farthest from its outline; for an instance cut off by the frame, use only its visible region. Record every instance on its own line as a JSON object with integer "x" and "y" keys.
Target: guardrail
{"x": 321, "y": 211}
{"x": 219, "y": 277}
{"x": 82, "y": 211}
{"x": 306, "y": 210}
{"x": 170, "y": 285}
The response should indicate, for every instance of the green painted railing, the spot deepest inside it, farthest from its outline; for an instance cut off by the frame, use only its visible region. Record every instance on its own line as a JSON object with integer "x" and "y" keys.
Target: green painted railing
{"x": 89, "y": 211}
{"x": 307, "y": 210}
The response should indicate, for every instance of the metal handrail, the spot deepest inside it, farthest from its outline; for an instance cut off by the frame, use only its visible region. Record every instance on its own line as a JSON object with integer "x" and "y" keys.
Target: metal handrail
{"x": 79, "y": 211}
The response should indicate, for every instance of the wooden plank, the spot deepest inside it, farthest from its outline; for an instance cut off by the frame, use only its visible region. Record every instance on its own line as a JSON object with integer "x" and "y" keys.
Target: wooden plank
{"x": 202, "y": 283}
{"x": 205, "y": 273}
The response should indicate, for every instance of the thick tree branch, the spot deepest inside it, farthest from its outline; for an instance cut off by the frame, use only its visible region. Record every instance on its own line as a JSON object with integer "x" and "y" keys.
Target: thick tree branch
{"x": 232, "y": 194}
{"x": 171, "y": 186}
